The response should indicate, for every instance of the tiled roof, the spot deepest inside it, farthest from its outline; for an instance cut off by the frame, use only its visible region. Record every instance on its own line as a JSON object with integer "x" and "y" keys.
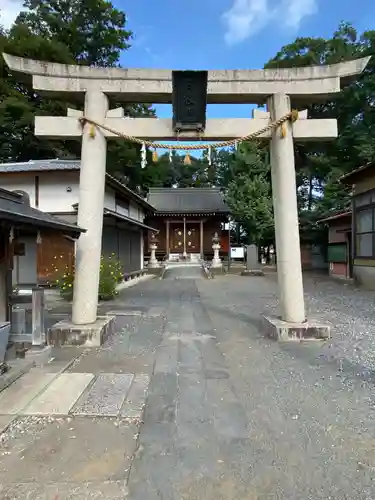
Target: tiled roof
{"x": 187, "y": 200}
{"x": 57, "y": 165}
{"x": 14, "y": 208}
{"x": 336, "y": 216}
{"x": 353, "y": 176}
{"x": 40, "y": 165}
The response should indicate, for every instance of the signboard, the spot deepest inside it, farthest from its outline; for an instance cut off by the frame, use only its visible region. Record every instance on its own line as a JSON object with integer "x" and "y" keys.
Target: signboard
{"x": 237, "y": 253}
{"x": 189, "y": 99}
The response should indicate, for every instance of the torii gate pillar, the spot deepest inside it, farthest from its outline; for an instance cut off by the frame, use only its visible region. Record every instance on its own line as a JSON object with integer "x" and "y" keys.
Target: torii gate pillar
{"x": 90, "y": 211}
{"x": 289, "y": 269}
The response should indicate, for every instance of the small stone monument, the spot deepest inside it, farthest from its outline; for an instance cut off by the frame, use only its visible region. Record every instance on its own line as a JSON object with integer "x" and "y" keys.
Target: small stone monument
{"x": 252, "y": 262}
{"x": 216, "y": 261}
{"x": 153, "y": 262}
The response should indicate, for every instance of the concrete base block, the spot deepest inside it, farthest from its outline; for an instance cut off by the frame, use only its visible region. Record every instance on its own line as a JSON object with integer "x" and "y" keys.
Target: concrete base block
{"x": 39, "y": 355}
{"x": 93, "y": 335}
{"x": 274, "y": 327}
{"x": 252, "y": 272}
{"x": 216, "y": 271}
{"x": 156, "y": 271}
{"x": 17, "y": 368}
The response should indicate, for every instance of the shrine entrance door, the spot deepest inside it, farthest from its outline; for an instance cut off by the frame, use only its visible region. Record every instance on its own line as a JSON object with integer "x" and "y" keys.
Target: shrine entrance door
{"x": 192, "y": 237}
{"x": 185, "y": 237}
{"x": 177, "y": 238}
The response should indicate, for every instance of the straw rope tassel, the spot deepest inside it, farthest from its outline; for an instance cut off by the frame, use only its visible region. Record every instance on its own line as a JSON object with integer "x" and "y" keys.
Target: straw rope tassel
{"x": 283, "y": 130}
{"x": 154, "y": 156}
{"x": 187, "y": 160}
{"x": 143, "y": 156}
{"x": 92, "y": 131}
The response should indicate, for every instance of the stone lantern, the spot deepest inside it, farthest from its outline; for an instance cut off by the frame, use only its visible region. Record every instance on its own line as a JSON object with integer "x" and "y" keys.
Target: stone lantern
{"x": 153, "y": 262}
{"x": 216, "y": 261}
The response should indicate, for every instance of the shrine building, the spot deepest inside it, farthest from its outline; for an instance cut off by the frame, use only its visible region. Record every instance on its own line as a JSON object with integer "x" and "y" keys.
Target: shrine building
{"x": 187, "y": 220}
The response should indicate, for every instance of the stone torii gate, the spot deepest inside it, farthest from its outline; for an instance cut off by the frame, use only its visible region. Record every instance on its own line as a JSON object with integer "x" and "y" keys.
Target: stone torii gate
{"x": 280, "y": 89}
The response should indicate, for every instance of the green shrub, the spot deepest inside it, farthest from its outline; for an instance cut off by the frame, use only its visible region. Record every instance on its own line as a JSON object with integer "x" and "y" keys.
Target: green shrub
{"x": 111, "y": 274}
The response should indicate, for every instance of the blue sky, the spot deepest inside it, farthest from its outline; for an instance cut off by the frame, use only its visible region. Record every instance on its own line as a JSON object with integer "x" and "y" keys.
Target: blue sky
{"x": 229, "y": 34}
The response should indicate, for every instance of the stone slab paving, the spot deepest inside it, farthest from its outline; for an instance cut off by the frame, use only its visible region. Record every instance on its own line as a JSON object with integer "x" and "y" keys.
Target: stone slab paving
{"x": 61, "y": 395}
{"x": 106, "y": 490}
{"x": 84, "y": 456}
{"x": 73, "y": 457}
{"x": 17, "y": 396}
{"x": 105, "y": 397}
{"x": 5, "y": 420}
{"x": 136, "y": 399}
{"x": 131, "y": 350}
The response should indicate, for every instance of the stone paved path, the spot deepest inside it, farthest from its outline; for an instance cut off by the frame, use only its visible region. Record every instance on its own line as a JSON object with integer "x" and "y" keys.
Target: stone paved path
{"x": 229, "y": 414}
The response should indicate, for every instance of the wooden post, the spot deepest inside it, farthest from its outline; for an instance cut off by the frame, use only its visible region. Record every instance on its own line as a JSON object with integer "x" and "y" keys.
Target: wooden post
{"x": 167, "y": 238}
{"x": 201, "y": 239}
{"x": 184, "y": 254}
{"x": 37, "y": 316}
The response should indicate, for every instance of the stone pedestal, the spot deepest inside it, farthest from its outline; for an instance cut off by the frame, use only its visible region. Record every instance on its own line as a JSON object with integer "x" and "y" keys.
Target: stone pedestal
{"x": 216, "y": 261}
{"x": 66, "y": 333}
{"x": 274, "y": 327}
{"x": 153, "y": 262}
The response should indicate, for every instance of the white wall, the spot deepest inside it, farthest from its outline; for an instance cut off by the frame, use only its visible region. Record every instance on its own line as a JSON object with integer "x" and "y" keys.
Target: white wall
{"x": 109, "y": 199}
{"x": 135, "y": 212}
{"x": 18, "y": 182}
{"x": 58, "y": 191}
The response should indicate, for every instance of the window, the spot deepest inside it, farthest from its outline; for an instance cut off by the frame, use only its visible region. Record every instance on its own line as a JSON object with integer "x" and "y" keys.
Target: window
{"x": 365, "y": 225}
{"x": 122, "y": 206}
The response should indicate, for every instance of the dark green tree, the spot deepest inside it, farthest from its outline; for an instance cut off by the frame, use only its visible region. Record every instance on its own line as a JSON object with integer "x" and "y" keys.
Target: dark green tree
{"x": 71, "y": 32}
{"x": 94, "y": 31}
{"x": 249, "y": 193}
{"x": 321, "y": 165}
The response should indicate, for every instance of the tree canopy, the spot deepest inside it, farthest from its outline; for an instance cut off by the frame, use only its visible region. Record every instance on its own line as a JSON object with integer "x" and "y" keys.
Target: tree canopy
{"x": 95, "y": 33}
{"x": 70, "y": 32}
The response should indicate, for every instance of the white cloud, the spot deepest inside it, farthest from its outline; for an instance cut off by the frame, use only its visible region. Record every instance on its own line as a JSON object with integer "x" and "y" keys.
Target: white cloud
{"x": 297, "y": 10}
{"x": 246, "y": 17}
{"x": 9, "y": 10}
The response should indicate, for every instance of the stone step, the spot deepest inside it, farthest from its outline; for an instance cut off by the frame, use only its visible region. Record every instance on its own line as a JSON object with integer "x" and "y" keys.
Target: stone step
{"x": 18, "y": 396}
{"x": 60, "y": 396}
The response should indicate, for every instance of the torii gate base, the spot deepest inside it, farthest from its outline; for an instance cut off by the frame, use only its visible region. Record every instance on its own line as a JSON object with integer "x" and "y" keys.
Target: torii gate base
{"x": 274, "y": 87}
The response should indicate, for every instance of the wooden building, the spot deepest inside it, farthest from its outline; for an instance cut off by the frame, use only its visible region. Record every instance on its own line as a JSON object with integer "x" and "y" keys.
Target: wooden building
{"x": 339, "y": 253}
{"x": 21, "y": 233}
{"x": 362, "y": 182}
{"x": 186, "y": 220}
{"x": 53, "y": 187}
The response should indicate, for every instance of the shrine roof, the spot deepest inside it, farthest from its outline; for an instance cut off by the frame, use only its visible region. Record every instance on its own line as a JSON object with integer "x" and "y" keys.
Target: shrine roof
{"x": 187, "y": 200}
{"x": 15, "y": 208}
{"x": 358, "y": 174}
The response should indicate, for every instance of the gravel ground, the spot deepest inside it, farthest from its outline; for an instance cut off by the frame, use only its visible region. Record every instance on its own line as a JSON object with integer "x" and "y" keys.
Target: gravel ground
{"x": 349, "y": 310}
